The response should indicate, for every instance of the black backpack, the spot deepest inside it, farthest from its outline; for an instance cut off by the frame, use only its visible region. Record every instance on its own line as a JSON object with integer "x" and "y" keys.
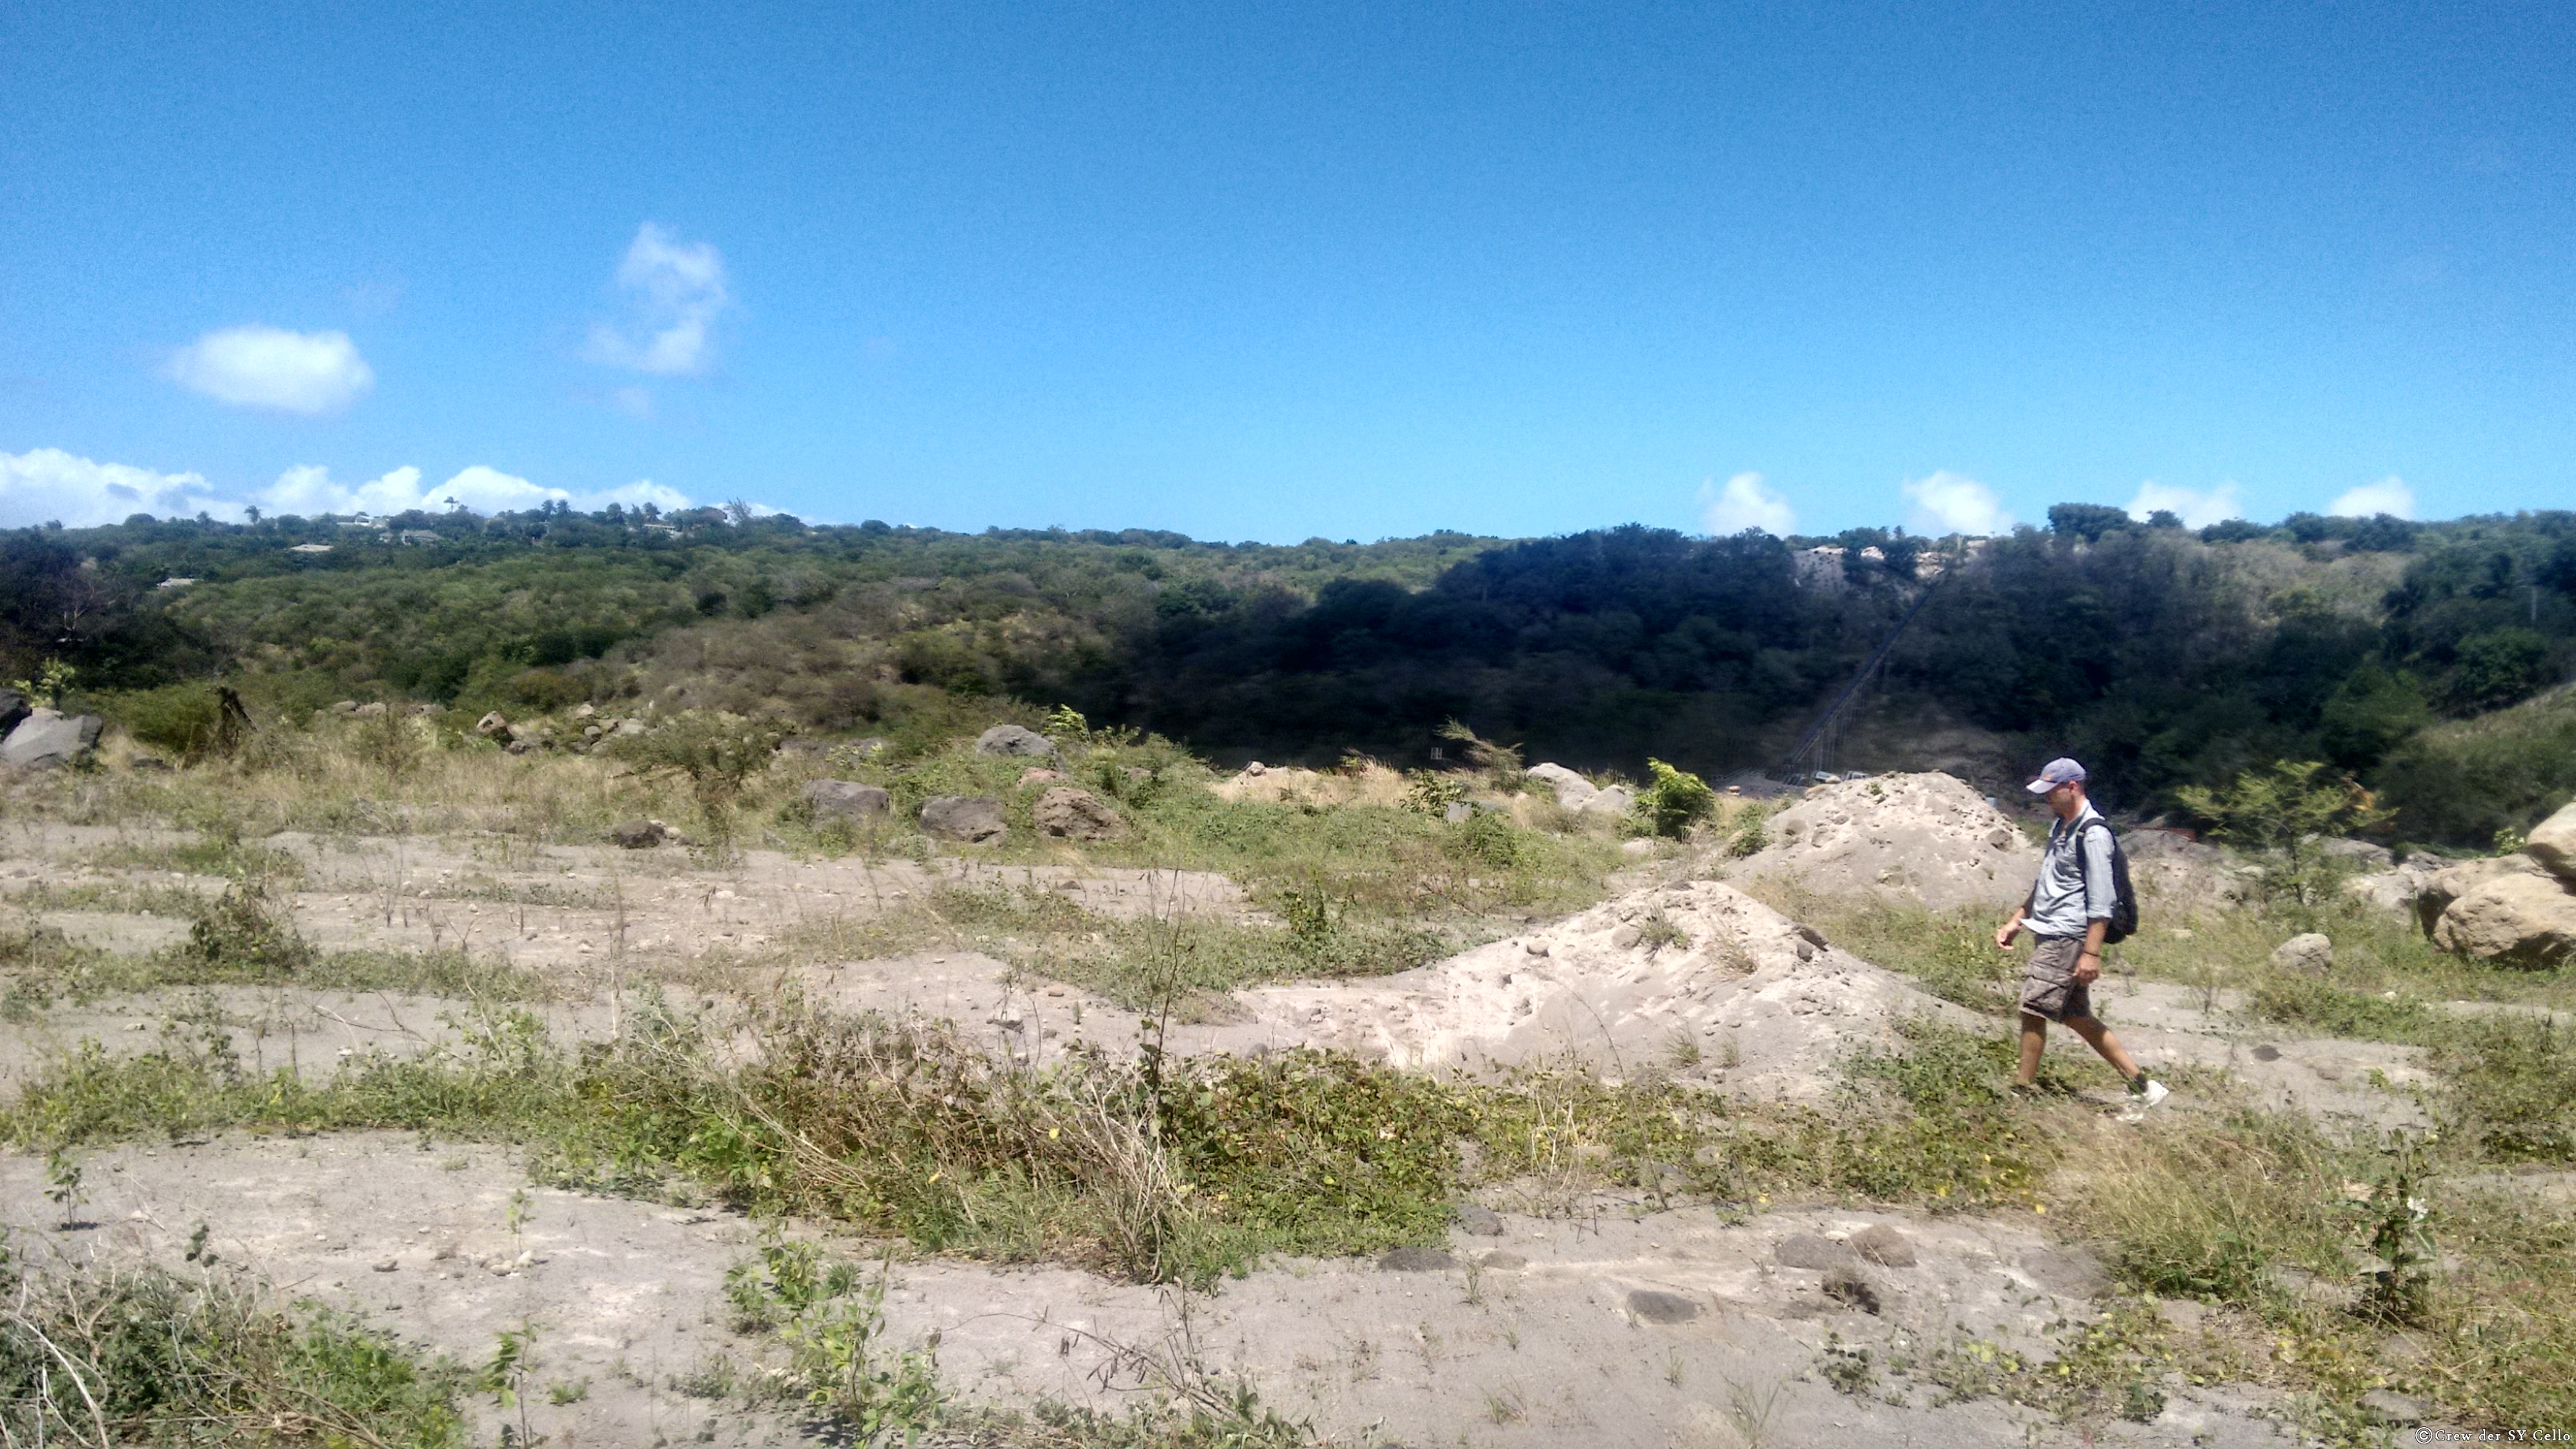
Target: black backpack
{"x": 2124, "y": 900}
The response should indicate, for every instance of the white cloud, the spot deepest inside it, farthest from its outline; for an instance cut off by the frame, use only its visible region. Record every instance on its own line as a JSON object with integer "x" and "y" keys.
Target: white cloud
{"x": 270, "y": 367}
{"x": 1946, "y": 503}
{"x": 310, "y": 491}
{"x": 2196, "y": 509}
{"x": 2388, "y": 495}
{"x": 1745, "y": 502}
{"x": 50, "y": 485}
{"x": 674, "y": 292}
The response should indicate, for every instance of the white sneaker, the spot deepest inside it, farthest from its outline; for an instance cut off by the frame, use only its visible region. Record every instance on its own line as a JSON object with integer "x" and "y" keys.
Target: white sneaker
{"x": 2140, "y": 1101}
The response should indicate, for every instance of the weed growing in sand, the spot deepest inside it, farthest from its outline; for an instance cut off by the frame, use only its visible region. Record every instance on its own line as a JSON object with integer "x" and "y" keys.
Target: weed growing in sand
{"x": 832, "y": 1325}
{"x": 99, "y": 1354}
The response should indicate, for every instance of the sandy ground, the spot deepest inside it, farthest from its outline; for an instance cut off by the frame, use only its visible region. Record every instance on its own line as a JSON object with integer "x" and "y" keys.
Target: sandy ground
{"x": 1620, "y": 1324}
{"x": 1623, "y": 1327}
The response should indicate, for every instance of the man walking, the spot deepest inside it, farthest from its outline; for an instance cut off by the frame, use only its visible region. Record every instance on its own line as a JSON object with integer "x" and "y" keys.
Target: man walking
{"x": 2067, "y": 910}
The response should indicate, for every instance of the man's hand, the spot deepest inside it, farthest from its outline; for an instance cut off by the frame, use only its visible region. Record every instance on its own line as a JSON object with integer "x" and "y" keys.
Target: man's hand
{"x": 2006, "y": 933}
{"x": 2088, "y": 968}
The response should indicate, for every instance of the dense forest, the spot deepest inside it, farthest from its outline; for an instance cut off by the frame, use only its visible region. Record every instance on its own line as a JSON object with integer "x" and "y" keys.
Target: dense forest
{"x": 2423, "y": 658}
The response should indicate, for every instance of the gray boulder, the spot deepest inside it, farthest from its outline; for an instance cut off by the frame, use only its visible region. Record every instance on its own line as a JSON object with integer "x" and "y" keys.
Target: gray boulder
{"x": 2308, "y": 954}
{"x": 1648, "y": 1305}
{"x": 2519, "y": 920}
{"x": 2468, "y": 877}
{"x": 48, "y": 740}
{"x": 1617, "y": 803}
{"x": 1070, "y": 814}
{"x": 1016, "y": 741}
{"x": 848, "y": 800}
{"x": 638, "y": 834}
{"x": 976, "y": 819}
{"x": 1571, "y": 789}
{"x": 1813, "y": 1250}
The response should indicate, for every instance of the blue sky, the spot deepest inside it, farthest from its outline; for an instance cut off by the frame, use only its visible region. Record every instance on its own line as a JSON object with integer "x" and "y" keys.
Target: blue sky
{"x": 1268, "y": 272}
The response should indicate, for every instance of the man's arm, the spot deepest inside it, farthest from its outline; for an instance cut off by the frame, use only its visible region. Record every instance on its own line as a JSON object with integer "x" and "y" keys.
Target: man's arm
{"x": 2100, "y": 894}
{"x": 2011, "y": 927}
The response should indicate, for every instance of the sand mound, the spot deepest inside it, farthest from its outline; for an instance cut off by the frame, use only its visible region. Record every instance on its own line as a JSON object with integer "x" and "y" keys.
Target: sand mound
{"x": 1928, "y": 837}
{"x": 1768, "y": 1006}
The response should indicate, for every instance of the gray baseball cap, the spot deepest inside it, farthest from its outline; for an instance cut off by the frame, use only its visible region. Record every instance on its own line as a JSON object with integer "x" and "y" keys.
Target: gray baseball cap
{"x": 2060, "y": 771}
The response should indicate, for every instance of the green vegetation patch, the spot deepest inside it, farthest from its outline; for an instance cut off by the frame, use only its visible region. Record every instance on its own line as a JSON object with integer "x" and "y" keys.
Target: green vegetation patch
{"x": 104, "y": 1354}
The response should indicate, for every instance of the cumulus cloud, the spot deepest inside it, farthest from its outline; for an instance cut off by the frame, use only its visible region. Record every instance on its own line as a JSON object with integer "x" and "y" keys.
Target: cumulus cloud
{"x": 49, "y": 485}
{"x": 674, "y": 292}
{"x": 2388, "y": 495}
{"x": 1745, "y": 502}
{"x": 270, "y": 367}
{"x": 2195, "y": 508}
{"x": 311, "y": 490}
{"x": 1947, "y": 503}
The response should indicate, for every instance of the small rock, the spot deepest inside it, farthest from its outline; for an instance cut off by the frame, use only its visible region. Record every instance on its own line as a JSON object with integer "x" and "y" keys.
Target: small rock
{"x": 1811, "y": 936}
{"x": 1649, "y": 1306}
{"x": 2392, "y": 1407}
{"x": 371, "y": 709}
{"x": 1482, "y": 1221}
{"x": 1502, "y": 1262}
{"x": 493, "y": 724}
{"x": 584, "y": 710}
{"x": 387, "y": 1266}
{"x": 2071, "y": 1271}
{"x": 638, "y": 834}
{"x": 1884, "y": 1246}
{"x": 848, "y": 800}
{"x": 1040, "y": 775}
{"x": 1459, "y": 812}
{"x": 1626, "y": 937}
{"x": 2309, "y": 954}
{"x": 1636, "y": 849}
{"x": 346, "y": 706}
{"x": 1016, "y": 740}
{"x": 973, "y": 818}
{"x": 1416, "y": 1260}
{"x": 1806, "y": 952}
{"x": 1851, "y": 1288}
{"x": 2267, "y": 1053}
{"x": 1812, "y": 1250}
{"x": 1256, "y": 769}
{"x": 2183, "y": 1313}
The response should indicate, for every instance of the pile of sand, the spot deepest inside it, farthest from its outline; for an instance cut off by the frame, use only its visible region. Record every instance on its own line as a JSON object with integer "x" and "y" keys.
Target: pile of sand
{"x": 1929, "y": 837}
{"x": 1745, "y": 996}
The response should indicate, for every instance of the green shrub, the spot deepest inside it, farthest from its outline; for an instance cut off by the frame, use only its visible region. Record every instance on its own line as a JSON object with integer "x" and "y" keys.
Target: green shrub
{"x": 1674, "y": 800}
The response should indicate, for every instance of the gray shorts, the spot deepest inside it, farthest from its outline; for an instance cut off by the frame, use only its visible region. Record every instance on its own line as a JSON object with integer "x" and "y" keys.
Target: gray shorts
{"x": 2048, "y": 984}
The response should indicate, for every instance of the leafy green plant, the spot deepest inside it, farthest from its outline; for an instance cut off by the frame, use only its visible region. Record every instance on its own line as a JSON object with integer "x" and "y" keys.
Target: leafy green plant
{"x": 2289, "y": 811}
{"x": 246, "y": 935}
{"x": 1674, "y": 800}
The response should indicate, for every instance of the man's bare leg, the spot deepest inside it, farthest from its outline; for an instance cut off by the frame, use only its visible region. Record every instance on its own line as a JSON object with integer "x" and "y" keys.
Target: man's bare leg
{"x": 2034, "y": 1037}
{"x": 2099, "y": 1038}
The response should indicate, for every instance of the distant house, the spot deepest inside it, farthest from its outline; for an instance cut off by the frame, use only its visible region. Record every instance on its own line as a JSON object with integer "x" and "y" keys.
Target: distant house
{"x": 176, "y": 583}
{"x": 310, "y": 548}
{"x": 417, "y": 535}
